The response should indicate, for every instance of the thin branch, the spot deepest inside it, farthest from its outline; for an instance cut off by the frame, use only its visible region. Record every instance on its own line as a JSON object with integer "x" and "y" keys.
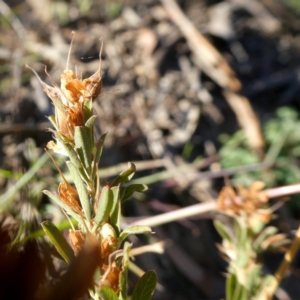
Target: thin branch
{"x": 201, "y": 208}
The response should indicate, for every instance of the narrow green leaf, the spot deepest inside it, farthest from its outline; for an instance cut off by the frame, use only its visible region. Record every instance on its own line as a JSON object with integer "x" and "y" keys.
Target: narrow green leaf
{"x": 138, "y": 229}
{"x": 8, "y": 195}
{"x": 125, "y": 176}
{"x": 115, "y": 215}
{"x": 104, "y": 206}
{"x": 90, "y": 122}
{"x": 58, "y": 104}
{"x": 115, "y": 218}
{"x": 64, "y": 206}
{"x": 58, "y": 240}
{"x": 243, "y": 255}
{"x": 64, "y": 225}
{"x": 124, "y": 273}
{"x": 231, "y": 283}
{"x": 81, "y": 189}
{"x": 257, "y": 227}
{"x": 116, "y": 193}
{"x": 90, "y": 129}
{"x": 145, "y": 287}
{"x": 99, "y": 146}
{"x": 83, "y": 147}
{"x": 88, "y": 109}
{"x": 253, "y": 279}
{"x": 53, "y": 121}
{"x": 222, "y": 230}
{"x": 59, "y": 136}
{"x": 99, "y": 149}
{"x": 128, "y": 191}
{"x": 71, "y": 153}
{"x": 106, "y": 293}
{"x": 241, "y": 294}
{"x": 242, "y": 231}
{"x": 268, "y": 231}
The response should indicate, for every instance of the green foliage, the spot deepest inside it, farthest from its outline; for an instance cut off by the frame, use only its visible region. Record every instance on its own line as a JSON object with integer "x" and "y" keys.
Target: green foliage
{"x": 36, "y": 162}
{"x": 242, "y": 246}
{"x": 282, "y": 136}
{"x": 58, "y": 240}
{"x": 294, "y": 5}
{"x": 145, "y": 286}
{"x": 104, "y": 206}
{"x": 113, "y": 9}
{"x": 106, "y": 293}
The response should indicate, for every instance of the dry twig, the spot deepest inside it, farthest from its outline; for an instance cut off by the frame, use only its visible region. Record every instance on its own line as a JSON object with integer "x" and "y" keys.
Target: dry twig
{"x": 214, "y": 65}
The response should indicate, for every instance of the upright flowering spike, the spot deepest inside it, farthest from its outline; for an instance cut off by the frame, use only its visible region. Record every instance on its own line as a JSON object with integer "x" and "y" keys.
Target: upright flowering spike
{"x": 95, "y": 207}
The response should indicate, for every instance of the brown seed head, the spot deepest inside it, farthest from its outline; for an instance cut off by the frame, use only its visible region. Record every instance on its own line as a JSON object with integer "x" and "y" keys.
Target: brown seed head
{"x": 77, "y": 240}
{"x": 108, "y": 241}
{"x": 112, "y": 279}
{"x": 69, "y": 195}
{"x": 251, "y": 202}
{"x": 70, "y": 97}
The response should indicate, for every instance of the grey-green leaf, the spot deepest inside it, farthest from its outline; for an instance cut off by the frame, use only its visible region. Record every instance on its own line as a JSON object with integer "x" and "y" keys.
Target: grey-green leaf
{"x": 83, "y": 146}
{"x": 268, "y": 231}
{"x": 88, "y": 109}
{"x": 106, "y": 293}
{"x": 90, "y": 129}
{"x": 99, "y": 146}
{"x": 58, "y": 240}
{"x": 90, "y": 122}
{"x": 231, "y": 283}
{"x": 124, "y": 273}
{"x": 104, "y": 206}
{"x": 145, "y": 287}
{"x": 127, "y": 191}
{"x": 125, "y": 176}
{"x": 53, "y": 121}
{"x": 99, "y": 149}
{"x": 71, "y": 153}
{"x": 223, "y": 232}
{"x": 115, "y": 216}
{"x": 138, "y": 229}
{"x": 81, "y": 189}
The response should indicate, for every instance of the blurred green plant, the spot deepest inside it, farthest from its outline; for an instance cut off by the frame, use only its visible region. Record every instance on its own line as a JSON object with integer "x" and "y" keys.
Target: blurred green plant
{"x": 113, "y": 9}
{"x": 283, "y": 130}
{"x": 294, "y": 5}
{"x": 246, "y": 236}
{"x": 29, "y": 179}
{"x": 61, "y": 9}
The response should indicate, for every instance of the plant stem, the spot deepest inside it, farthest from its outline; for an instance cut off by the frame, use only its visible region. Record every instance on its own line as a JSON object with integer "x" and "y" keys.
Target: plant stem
{"x": 288, "y": 258}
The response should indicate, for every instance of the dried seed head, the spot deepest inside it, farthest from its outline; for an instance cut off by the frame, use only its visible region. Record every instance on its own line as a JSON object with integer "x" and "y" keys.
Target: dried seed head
{"x": 69, "y": 195}
{"x": 77, "y": 240}
{"x": 108, "y": 241}
{"x": 70, "y": 97}
{"x": 112, "y": 279}
{"x": 78, "y": 90}
{"x": 251, "y": 202}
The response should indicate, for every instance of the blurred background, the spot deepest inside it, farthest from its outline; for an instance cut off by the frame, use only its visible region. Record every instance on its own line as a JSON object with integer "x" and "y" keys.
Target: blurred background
{"x": 194, "y": 93}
